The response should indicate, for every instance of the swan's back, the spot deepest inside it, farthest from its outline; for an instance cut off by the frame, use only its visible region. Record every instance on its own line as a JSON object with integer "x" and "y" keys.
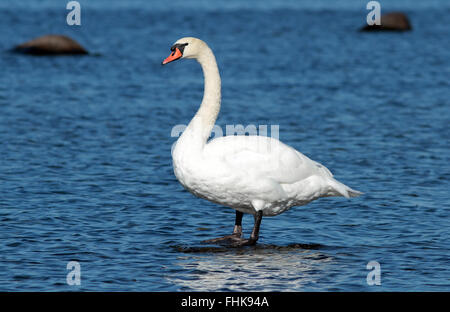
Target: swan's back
{"x": 264, "y": 157}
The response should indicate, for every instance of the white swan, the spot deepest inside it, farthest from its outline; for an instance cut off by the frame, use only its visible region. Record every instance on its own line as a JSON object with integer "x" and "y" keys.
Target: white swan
{"x": 251, "y": 174}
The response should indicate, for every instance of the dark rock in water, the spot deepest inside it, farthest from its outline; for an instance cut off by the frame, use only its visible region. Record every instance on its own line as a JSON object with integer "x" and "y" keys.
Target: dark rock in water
{"x": 391, "y": 22}
{"x": 51, "y": 45}
{"x": 227, "y": 248}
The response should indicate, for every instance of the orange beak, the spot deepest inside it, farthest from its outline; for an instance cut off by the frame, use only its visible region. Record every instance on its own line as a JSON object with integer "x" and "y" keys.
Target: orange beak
{"x": 172, "y": 57}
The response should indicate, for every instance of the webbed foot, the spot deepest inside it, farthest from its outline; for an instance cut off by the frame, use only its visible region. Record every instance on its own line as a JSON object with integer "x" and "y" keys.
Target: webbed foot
{"x": 224, "y": 239}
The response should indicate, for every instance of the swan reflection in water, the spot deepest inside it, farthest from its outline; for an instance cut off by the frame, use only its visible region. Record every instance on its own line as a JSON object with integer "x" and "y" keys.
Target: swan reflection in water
{"x": 258, "y": 269}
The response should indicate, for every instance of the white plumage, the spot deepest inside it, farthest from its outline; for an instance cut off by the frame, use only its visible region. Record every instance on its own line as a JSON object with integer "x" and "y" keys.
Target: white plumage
{"x": 250, "y": 174}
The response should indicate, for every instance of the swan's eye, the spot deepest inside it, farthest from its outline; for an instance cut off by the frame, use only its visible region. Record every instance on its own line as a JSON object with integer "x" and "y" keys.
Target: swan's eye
{"x": 181, "y": 46}
{"x": 173, "y": 49}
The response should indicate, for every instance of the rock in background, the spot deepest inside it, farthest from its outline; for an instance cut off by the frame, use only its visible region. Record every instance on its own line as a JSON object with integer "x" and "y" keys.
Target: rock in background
{"x": 395, "y": 21}
{"x": 51, "y": 45}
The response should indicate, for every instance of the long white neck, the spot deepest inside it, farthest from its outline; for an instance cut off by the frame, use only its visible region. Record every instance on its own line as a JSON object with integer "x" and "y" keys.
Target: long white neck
{"x": 199, "y": 129}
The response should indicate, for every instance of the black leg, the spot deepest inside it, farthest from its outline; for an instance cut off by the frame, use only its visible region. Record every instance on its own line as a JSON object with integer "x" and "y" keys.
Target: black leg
{"x": 255, "y": 232}
{"x": 238, "y": 223}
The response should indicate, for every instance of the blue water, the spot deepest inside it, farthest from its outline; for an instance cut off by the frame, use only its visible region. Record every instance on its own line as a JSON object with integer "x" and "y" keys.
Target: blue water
{"x": 85, "y": 165}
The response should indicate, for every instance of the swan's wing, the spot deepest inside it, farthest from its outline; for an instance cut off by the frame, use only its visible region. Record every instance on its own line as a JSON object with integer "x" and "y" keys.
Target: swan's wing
{"x": 263, "y": 157}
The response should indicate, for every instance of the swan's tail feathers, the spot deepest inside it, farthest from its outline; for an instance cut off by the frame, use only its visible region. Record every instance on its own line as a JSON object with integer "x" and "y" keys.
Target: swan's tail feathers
{"x": 343, "y": 190}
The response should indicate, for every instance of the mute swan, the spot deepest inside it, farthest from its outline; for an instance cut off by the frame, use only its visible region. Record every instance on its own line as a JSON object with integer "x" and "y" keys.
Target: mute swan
{"x": 251, "y": 174}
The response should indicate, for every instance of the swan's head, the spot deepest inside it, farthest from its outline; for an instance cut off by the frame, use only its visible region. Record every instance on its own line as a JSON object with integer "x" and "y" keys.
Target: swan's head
{"x": 187, "y": 47}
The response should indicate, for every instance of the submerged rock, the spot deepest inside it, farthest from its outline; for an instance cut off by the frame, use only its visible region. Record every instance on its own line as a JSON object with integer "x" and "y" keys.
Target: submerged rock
{"x": 395, "y": 21}
{"x": 51, "y": 45}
